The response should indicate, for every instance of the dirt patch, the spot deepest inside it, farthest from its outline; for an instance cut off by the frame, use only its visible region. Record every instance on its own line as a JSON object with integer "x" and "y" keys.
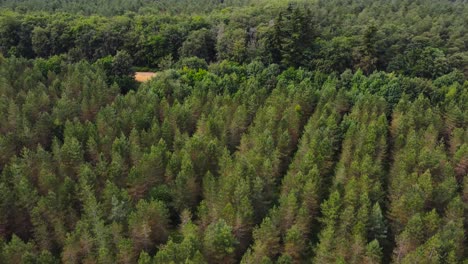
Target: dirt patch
{"x": 144, "y": 76}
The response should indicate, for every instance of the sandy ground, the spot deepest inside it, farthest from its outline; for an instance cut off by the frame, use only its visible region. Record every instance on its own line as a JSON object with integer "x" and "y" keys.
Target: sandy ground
{"x": 144, "y": 76}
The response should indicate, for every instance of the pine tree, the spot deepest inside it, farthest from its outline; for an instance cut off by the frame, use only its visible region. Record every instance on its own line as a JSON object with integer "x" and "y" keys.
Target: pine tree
{"x": 219, "y": 243}
{"x": 148, "y": 225}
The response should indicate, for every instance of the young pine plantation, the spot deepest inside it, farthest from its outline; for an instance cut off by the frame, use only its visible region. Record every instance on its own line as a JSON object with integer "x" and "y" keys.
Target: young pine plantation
{"x": 233, "y": 131}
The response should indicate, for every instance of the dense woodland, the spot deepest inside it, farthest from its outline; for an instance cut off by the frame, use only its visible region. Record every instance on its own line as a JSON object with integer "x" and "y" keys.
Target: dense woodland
{"x": 274, "y": 131}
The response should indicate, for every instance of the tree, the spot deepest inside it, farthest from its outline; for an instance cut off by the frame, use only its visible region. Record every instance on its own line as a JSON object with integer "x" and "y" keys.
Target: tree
{"x": 291, "y": 38}
{"x": 188, "y": 250}
{"x": 148, "y": 225}
{"x": 122, "y": 64}
{"x": 199, "y": 43}
{"x": 219, "y": 243}
{"x": 17, "y": 251}
{"x": 149, "y": 171}
{"x": 119, "y": 69}
{"x": 40, "y": 42}
{"x": 366, "y": 55}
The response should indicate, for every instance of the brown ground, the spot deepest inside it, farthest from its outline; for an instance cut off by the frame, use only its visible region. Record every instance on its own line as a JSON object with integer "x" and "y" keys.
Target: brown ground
{"x": 144, "y": 76}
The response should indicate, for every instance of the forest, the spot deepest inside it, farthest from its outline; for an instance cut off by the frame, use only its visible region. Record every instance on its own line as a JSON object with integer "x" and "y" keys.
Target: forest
{"x": 305, "y": 131}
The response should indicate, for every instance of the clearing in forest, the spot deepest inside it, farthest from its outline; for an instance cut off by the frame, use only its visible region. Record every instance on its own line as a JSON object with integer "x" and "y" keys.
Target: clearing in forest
{"x": 144, "y": 76}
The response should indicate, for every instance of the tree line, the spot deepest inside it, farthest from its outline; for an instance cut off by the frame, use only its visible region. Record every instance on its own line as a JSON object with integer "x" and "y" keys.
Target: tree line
{"x": 414, "y": 38}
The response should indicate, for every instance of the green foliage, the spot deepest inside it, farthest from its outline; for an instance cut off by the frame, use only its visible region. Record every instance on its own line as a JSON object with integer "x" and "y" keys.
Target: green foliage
{"x": 358, "y": 181}
{"x": 148, "y": 225}
{"x": 187, "y": 251}
{"x": 219, "y": 243}
{"x": 331, "y": 36}
{"x": 324, "y": 131}
{"x": 418, "y": 176}
{"x": 199, "y": 43}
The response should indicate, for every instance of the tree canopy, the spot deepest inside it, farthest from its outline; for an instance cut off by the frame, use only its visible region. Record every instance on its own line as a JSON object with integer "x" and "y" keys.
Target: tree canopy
{"x": 272, "y": 132}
